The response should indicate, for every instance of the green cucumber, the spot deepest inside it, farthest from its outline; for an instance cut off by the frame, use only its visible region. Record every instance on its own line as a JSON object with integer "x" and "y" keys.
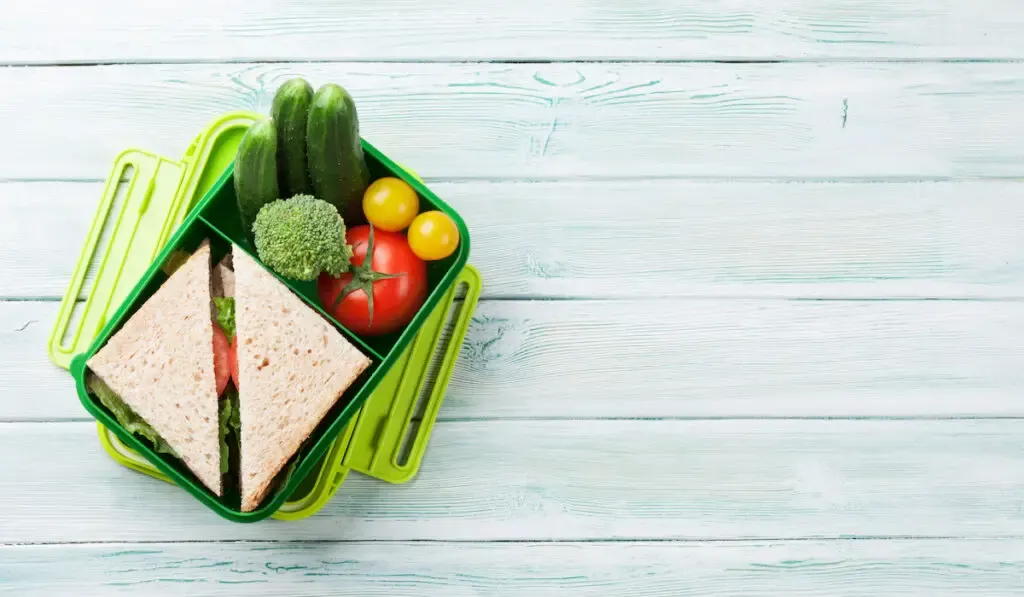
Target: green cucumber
{"x": 290, "y": 111}
{"x": 256, "y": 171}
{"x": 337, "y": 165}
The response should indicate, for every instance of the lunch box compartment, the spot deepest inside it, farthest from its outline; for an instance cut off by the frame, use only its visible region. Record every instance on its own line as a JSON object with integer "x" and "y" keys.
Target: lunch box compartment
{"x": 187, "y": 240}
{"x": 387, "y": 438}
{"x": 221, "y": 212}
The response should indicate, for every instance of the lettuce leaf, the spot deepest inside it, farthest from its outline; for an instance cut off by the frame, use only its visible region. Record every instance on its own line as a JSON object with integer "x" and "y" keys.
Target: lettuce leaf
{"x": 229, "y": 422}
{"x": 128, "y": 419}
{"x": 226, "y": 315}
{"x": 228, "y": 416}
{"x": 285, "y": 475}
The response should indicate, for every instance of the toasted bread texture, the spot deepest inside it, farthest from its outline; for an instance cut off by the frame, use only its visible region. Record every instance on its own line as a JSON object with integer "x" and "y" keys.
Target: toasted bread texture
{"x": 160, "y": 363}
{"x": 293, "y": 365}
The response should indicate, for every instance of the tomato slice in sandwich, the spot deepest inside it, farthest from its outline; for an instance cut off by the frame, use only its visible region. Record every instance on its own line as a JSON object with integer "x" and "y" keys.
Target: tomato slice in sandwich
{"x": 233, "y": 363}
{"x": 221, "y": 358}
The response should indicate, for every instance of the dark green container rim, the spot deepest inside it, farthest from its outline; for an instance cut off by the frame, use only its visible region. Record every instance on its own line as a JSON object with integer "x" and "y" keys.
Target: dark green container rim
{"x": 324, "y": 439}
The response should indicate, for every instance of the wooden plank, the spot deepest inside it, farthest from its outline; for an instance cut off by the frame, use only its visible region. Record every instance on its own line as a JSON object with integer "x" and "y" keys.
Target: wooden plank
{"x": 119, "y": 30}
{"x": 806, "y": 568}
{"x": 32, "y": 386}
{"x": 658, "y": 238}
{"x": 572, "y": 480}
{"x": 679, "y": 358}
{"x": 554, "y": 120}
{"x": 44, "y": 226}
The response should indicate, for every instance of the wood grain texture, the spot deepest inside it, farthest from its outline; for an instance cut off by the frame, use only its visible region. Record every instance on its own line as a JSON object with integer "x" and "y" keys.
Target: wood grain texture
{"x": 679, "y": 358}
{"x": 802, "y": 569}
{"x": 527, "y": 30}
{"x": 44, "y": 226}
{"x": 554, "y": 120}
{"x": 748, "y": 445}
{"x": 572, "y": 480}
{"x": 653, "y": 238}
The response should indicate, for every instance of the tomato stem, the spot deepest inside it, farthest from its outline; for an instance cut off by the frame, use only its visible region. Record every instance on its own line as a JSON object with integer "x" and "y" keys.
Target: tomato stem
{"x": 363, "y": 278}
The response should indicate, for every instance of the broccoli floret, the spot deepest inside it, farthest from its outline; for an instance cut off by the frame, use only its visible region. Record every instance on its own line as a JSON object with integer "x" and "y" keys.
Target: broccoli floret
{"x": 301, "y": 237}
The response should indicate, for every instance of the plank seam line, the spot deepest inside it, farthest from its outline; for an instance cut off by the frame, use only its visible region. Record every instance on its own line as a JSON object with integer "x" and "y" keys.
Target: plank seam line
{"x": 441, "y": 60}
{"x": 684, "y": 418}
{"x": 628, "y": 178}
{"x": 590, "y": 541}
{"x": 668, "y": 298}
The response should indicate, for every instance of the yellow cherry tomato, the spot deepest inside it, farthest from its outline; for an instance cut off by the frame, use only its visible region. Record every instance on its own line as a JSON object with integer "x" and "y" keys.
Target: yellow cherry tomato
{"x": 433, "y": 235}
{"x": 390, "y": 204}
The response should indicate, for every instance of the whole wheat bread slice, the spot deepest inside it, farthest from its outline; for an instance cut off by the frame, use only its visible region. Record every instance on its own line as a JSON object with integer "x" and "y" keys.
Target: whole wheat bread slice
{"x": 160, "y": 363}
{"x": 293, "y": 365}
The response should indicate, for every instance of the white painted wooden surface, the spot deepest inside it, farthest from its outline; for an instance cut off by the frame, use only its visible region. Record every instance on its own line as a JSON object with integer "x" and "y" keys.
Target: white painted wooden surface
{"x": 817, "y": 265}
{"x": 792, "y": 120}
{"x": 672, "y": 358}
{"x": 678, "y": 238}
{"x": 765, "y": 569}
{"x": 456, "y": 30}
{"x": 514, "y": 480}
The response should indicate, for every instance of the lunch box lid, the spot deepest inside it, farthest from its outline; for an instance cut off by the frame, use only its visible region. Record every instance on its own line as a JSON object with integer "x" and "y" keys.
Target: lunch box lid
{"x": 145, "y": 199}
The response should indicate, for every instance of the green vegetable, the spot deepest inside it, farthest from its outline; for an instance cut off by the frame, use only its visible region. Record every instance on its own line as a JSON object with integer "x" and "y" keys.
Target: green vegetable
{"x": 132, "y": 422}
{"x": 291, "y": 114}
{"x": 337, "y": 165}
{"x": 256, "y": 170}
{"x": 282, "y": 478}
{"x": 301, "y": 238}
{"x": 229, "y": 423}
{"x": 225, "y": 315}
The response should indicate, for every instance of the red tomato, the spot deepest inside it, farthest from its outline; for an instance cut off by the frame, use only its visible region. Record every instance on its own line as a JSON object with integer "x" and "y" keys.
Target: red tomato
{"x": 233, "y": 362}
{"x": 221, "y": 358}
{"x": 381, "y": 294}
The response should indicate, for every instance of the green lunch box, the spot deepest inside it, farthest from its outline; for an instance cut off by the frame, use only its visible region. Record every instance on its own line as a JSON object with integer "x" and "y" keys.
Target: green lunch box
{"x": 151, "y": 206}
